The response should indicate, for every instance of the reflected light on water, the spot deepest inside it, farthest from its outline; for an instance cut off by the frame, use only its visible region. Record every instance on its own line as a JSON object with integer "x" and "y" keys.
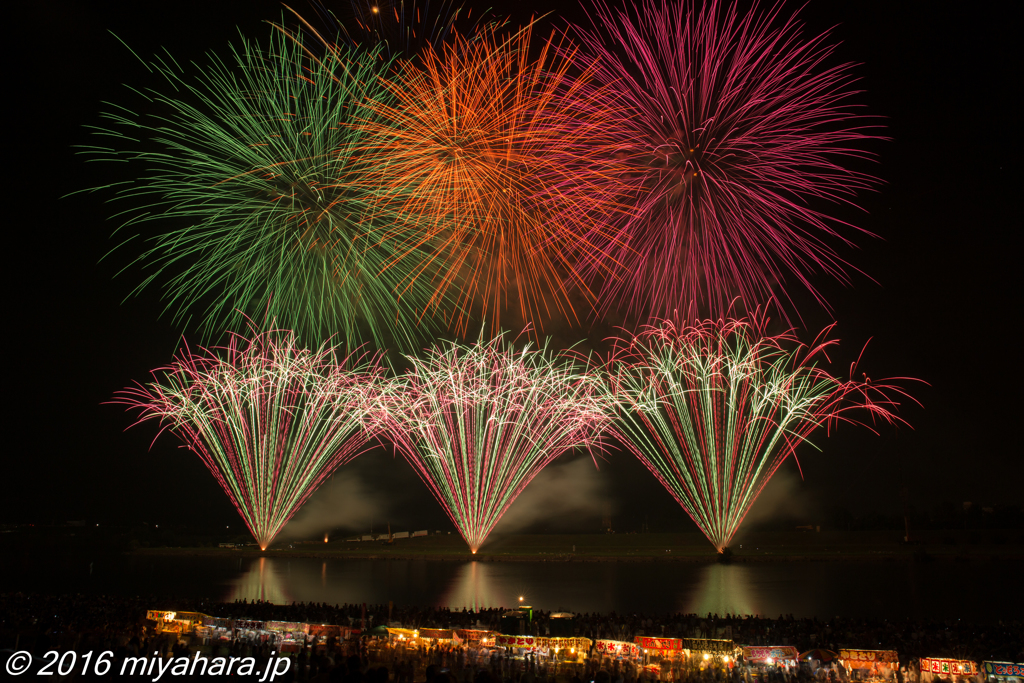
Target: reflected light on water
{"x": 472, "y": 587}
{"x": 260, "y": 582}
{"x": 722, "y": 589}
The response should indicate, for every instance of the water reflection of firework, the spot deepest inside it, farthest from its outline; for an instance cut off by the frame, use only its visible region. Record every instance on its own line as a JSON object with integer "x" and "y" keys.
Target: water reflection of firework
{"x": 722, "y": 589}
{"x": 472, "y": 587}
{"x": 261, "y": 582}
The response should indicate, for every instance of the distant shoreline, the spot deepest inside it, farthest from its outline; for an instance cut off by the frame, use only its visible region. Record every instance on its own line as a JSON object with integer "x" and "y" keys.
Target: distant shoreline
{"x": 686, "y": 548}
{"x": 902, "y": 555}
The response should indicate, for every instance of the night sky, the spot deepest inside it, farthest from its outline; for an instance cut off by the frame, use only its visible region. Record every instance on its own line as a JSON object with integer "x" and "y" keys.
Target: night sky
{"x": 939, "y": 297}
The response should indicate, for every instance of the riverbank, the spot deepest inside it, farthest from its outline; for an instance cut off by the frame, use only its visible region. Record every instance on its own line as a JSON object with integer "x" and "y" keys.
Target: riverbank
{"x": 800, "y": 546}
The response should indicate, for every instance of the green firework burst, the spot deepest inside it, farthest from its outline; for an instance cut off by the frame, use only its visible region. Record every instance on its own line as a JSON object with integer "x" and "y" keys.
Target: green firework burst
{"x": 250, "y": 172}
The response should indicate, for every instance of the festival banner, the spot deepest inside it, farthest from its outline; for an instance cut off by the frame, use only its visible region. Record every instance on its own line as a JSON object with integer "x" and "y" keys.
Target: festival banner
{"x": 325, "y": 631}
{"x": 862, "y": 659}
{"x": 537, "y": 641}
{"x": 1007, "y": 669}
{"x": 191, "y": 616}
{"x": 559, "y": 643}
{"x": 712, "y": 646}
{"x": 948, "y": 666}
{"x": 286, "y": 626}
{"x": 777, "y": 652}
{"x": 516, "y": 641}
{"x": 435, "y": 633}
{"x": 249, "y": 624}
{"x": 159, "y": 615}
{"x": 404, "y": 633}
{"x": 618, "y": 648}
{"x": 649, "y": 643}
{"x": 473, "y": 635}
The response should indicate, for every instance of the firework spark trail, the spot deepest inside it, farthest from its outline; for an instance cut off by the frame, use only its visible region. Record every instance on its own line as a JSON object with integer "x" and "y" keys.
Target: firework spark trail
{"x": 712, "y": 409}
{"x": 269, "y": 420}
{"x": 400, "y": 29}
{"x": 505, "y": 155}
{"x": 478, "y": 422}
{"x": 734, "y": 126}
{"x": 252, "y": 172}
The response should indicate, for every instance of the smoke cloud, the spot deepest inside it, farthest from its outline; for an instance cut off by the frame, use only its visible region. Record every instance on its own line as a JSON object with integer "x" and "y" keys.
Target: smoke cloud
{"x": 343, "y": 502}
{"x": 561, "y": 496}
{"x": 781, "y": 500}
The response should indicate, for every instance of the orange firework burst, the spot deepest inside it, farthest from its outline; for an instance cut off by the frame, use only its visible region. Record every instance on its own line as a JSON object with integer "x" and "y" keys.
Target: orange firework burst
{"x": 502, "y": 155}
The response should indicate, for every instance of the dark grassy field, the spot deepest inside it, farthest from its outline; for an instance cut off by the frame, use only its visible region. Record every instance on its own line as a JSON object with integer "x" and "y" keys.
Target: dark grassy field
{"x": 750, "y": 547}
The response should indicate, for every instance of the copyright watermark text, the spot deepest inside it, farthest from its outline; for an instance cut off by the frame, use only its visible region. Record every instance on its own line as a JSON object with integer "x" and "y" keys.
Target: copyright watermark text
{"x": 153, "y": 668}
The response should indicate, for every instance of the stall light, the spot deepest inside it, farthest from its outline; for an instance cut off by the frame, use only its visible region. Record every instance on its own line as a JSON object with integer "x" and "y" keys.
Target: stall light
{"x": 770, "y": 661}
{"x": 707, "y": 656}
{"x": 725, "y": 659}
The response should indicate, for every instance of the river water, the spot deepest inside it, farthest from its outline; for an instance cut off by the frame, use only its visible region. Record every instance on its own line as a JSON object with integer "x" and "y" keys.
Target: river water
{"x": 989, "y": 590}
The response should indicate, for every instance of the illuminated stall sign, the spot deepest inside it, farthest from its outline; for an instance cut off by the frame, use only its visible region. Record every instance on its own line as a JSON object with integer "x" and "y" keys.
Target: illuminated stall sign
{"x": 472, "y": 635}
{"x": 325, "y": 631}
{"x": 1003, "y": 669}
{"x": 559, "y": 643}
{"x": 436, "y": 633}
{"x": 711, "y": 646}
{"x": 865, "y": 659}
{"x": 775, "y": 653}
{"x": 542, "y": 642}
{"x": 159, "y": 615}
{"x": 175, "y": 622}
{"x": 667, "y": 644}
{"x": 404, "y": 633}
{"x": 618, "y": 648}
{"x": 948, "y": 666}
{"x": 250, "y": 625}
{"x": 516, "y": 641}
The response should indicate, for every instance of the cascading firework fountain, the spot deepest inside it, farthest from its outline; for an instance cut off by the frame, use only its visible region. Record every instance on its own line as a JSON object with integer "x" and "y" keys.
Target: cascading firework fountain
{"x": 478, "y": 423}
{"x": 713, "y": 409}
{"x": 269, "y": 419}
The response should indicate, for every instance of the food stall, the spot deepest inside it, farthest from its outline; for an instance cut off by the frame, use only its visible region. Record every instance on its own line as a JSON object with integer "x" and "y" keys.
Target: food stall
{"x": 442, "y": 635}
{"x": 289, "y": 636}
{"x": 175, "y": 622}
{"x": 253, "y": 630}
{"x": 568, "y": 649}
{"x": 1003, "y": 672}
{"x": 321, "y": 634}
{"x": 617, "y": 649}
{"x": 710, "y": 651}
{"x": 870, "y": 665}
{"x": 560, "y": 649}
{"x": 214, "y": 629}
{"x": 934, "y": 668}
{"x": 404, "y": 638}
{"x": 472, "y": 636}
{"x": 657, "y": 649}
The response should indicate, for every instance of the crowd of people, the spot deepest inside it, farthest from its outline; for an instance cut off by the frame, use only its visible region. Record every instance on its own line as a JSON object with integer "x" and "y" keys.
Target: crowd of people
{"x": 43, "y": 623}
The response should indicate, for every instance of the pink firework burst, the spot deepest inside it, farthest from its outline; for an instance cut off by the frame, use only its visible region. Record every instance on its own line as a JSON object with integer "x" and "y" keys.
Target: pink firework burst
{"x": 738, "y": 129}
